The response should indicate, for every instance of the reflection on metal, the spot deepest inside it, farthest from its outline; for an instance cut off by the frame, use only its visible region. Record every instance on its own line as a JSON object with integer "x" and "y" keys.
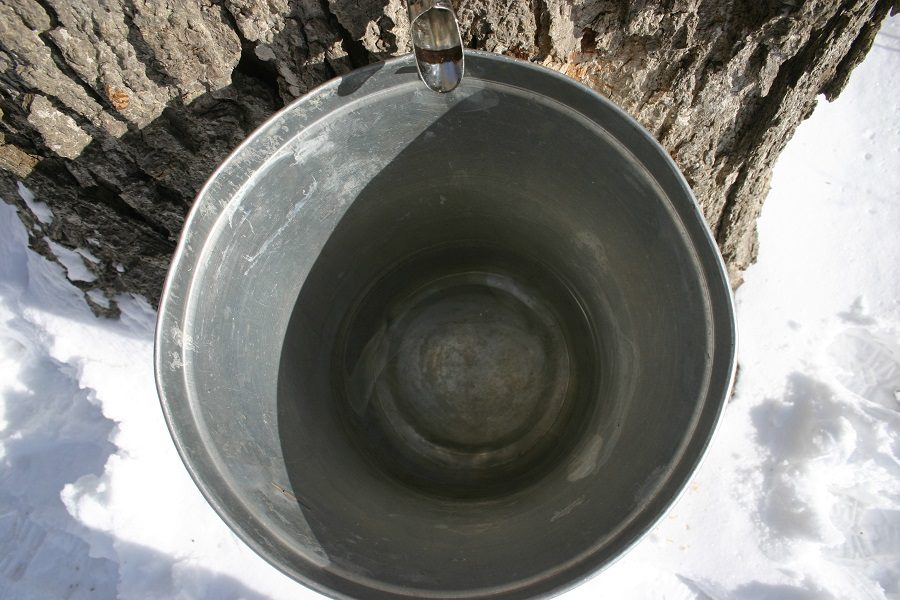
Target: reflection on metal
{"x": 437, "y": 44}
{"x": 466, "y": 345}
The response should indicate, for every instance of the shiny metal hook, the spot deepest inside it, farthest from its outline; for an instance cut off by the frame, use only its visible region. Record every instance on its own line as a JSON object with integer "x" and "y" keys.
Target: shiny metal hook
{"x": 437, "y": 43}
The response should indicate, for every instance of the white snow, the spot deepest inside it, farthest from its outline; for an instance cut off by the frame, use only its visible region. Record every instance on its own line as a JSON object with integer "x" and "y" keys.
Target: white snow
{"x": 94, "y": 501}
{"x": 87, "y": 255}
{"x": 798, "y": 498}
{"x": 99, "y": 298}
{"x": 72, "y": 260}
{"x": 39, "y": 209}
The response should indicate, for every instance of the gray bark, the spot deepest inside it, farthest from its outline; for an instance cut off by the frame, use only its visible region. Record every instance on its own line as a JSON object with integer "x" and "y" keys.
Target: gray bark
{"x": 116, "y": 111}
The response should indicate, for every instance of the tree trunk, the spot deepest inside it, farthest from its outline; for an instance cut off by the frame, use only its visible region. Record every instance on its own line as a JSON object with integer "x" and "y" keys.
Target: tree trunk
{"x": 114, "y": 112}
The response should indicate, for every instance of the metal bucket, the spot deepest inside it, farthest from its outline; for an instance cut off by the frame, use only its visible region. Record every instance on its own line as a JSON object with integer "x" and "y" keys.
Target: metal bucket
{"x": 469, "y": 345}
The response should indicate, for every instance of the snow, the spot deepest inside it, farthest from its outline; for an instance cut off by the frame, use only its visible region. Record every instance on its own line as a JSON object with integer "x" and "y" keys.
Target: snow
{"x": 94, "y": 501}
{"x": 798, "y": 498}
{"x": 99, "y": 298}
{"x": 72, "y": 260}
{"x": 86, "y": 254}
{"x": 39, "y": 209}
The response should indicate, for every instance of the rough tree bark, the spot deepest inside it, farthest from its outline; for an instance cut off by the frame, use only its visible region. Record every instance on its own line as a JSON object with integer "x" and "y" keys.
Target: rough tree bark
{"x": 115, "y": 111}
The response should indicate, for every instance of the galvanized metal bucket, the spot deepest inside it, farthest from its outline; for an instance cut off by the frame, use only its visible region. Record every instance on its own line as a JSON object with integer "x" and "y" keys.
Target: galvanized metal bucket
{"x": 468, "y": 345}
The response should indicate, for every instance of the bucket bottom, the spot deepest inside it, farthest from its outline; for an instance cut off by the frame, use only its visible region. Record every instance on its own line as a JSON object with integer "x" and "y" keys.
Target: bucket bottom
{"x": 457, "y": 375}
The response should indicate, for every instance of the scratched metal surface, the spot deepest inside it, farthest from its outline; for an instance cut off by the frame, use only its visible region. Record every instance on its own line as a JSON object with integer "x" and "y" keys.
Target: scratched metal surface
{"x": 374, "y": 249}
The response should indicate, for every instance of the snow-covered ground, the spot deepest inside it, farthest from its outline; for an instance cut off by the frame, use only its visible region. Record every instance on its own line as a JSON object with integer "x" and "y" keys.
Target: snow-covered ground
{"x": 798, "y": 499}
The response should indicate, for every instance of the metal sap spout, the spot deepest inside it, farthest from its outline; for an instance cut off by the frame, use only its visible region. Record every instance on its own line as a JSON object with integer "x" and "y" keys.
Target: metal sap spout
{"x": 437, "y": 43}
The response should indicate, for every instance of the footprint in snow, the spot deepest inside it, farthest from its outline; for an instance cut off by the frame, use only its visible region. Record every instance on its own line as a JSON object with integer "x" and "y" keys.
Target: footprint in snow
{"x": 866, "y": 361}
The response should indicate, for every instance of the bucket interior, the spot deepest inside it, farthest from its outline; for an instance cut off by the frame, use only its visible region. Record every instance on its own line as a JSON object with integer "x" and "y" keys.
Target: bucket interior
{"x": 443, "y": 345}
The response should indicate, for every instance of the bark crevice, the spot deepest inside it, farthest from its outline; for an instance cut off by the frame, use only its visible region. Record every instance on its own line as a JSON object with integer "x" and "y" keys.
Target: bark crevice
{"x": 359, "y": 56}
{"x": 59, "y": 60}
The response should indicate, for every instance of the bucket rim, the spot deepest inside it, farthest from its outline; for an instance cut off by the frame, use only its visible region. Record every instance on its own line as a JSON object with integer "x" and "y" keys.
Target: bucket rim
{"x": 169, "y": 347}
